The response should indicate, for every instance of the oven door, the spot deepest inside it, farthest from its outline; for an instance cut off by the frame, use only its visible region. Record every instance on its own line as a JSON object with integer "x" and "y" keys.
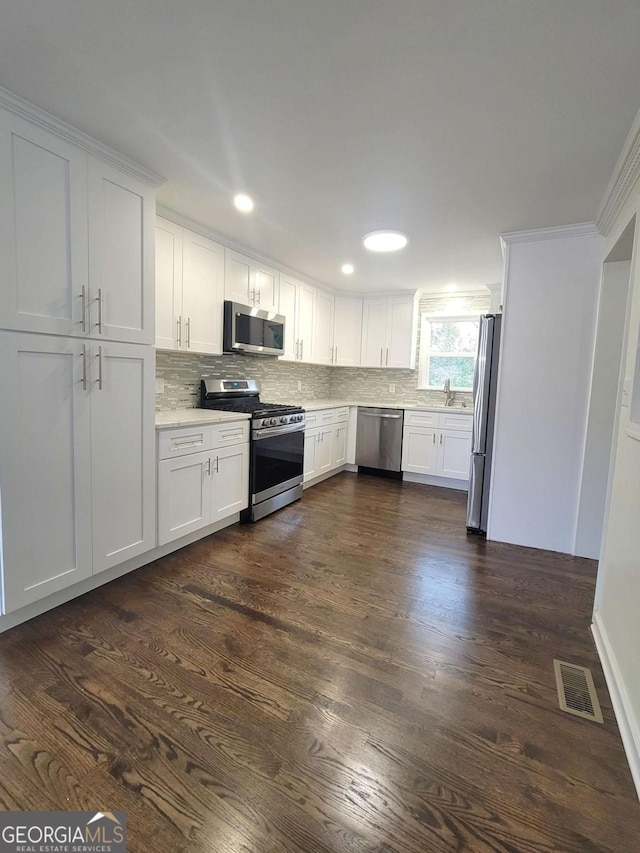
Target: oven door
{"x": 277, "y": 459}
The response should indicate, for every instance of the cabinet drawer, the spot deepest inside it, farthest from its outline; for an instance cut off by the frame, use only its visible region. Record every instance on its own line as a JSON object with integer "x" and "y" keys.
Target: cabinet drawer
{"x": 342, "y": 415}
{"x": 233, "y": 433}
{"x": 184, "y": 440}
{"x": 451, "y": 421}
{"x": 320, "y": 418}
{"x": 420, "y": 419}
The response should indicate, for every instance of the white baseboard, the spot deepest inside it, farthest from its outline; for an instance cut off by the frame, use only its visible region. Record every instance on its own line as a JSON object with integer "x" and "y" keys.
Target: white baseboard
{"x": 429, "y": 480}
{"x": 10, "y": 620}
{"x": 625, "y": 717}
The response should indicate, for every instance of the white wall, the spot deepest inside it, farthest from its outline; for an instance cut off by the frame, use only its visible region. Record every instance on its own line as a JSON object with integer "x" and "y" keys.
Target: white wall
{"x": 617, "y": 611}
{"x": 602, "y": 407}
{"x": 550, "y": 304}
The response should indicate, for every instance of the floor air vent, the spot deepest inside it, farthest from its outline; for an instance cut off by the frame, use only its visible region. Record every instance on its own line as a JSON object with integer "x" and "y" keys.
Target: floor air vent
{"x": 576, "y": 691}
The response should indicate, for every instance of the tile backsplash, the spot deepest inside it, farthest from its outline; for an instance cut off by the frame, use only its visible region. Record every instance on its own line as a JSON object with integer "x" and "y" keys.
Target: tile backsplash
{"x": 181, "y": 374}
{"x": 291, "y": 381}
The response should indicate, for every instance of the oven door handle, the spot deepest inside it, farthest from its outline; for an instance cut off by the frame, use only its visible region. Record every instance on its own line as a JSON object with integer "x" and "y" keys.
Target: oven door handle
{"x": 259, "y": 434}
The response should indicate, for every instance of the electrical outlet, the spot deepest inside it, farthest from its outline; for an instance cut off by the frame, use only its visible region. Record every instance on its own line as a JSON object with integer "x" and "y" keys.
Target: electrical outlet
{"x": 392, "y": 388}
{"x": 299, "y": 385}
{"x": 159, "y": 385}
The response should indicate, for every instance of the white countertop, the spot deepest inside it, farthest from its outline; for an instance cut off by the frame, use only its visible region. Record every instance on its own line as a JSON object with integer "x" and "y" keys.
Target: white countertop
{"x": 315, "y": 405}
{"x": 196, "y": 417}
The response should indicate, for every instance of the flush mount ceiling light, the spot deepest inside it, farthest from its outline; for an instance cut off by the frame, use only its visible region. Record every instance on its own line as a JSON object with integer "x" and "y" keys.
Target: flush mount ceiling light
{"x": 347, "y": 269}
{"x": 384, "y": 241}
{"x": 243, "y": 202}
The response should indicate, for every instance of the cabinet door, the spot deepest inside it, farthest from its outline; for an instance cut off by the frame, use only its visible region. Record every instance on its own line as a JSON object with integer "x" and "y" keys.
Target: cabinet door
{"x": 168, "y": 283}
{"x": 288, "y": 307}
{"x": 401, "y": 332}
{"x": 202, "y": 293}
{"x": 45, "y": 467}
{"x": 324, "y": 459}
{"x": 265, "y": 287}
{"x": 454, "y": 454}
{"x": 121, "y": 260}
{"x": 420, "y": 450}
{"x": 339, "y": 445}
{"x": 347, "y": 331}
{"x": 230, "y": 481}
{"x": 311, "y": 444}
{"x": 43, "y": 231}
{"x": 237, "y": 277}
{"x": 184, "y": 495}
{"x": 374, "y": 333}
{"x": 122, "y": 452}
{"x": 323, "y": 340}
{"x": 306, "y": 320}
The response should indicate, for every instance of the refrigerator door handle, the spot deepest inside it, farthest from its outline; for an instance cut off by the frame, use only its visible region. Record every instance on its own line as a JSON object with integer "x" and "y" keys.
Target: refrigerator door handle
{"x": 481, "y": 380}
{"x": 476, "y": 488}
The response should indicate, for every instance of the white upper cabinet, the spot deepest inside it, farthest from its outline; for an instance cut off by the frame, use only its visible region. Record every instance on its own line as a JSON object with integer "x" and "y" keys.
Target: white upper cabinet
{"x": 250, "y": 282}
{"x": 43, "y": 231}
{"x": 347, "y": 331}
{"x": 121, "y": 279}
{"x": 306, "y": 321}
{"x": 288, "y": 307}
{"x": 323, "y": 347}
{"x": 76, "y": 245}
{"x": 202, "y": 293}
{"x": 298, "y": 306}
{"x": 168, "y": 283}
{"x": 389, "y": 331}
{"x": 189, "y": 290}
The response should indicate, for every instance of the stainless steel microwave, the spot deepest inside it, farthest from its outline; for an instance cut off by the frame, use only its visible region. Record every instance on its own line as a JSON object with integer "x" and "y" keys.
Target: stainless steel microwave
{"x": 252, "y": 331}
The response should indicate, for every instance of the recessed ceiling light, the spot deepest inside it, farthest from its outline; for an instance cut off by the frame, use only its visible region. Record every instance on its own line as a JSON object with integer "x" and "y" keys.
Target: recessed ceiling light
{"x": 384, "y": 241}
{"x": 243, "y": 202}
{"x": 347, "y": 269}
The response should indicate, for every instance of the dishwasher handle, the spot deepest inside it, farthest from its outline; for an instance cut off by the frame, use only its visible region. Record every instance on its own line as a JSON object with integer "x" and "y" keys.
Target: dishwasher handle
{"x": 375, "y": 415}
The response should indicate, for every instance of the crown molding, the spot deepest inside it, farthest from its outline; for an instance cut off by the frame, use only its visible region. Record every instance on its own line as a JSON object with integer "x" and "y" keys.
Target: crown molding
{"x": 581, "y": 229}
{"x": 624, "y": 178}
{"x": 25, "y": 110}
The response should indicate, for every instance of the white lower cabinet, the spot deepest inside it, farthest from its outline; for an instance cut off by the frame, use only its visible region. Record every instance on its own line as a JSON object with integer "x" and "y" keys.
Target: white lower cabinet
{"x": 196, "y": 489}
{"x": 430, "y": 447}
{"x": 76, "y": 461}
{"x": 325, "y": 442}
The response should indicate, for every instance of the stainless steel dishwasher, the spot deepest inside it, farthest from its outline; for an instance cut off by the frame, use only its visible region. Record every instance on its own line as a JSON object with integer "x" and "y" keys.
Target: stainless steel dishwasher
{"x": 379, "y": 438}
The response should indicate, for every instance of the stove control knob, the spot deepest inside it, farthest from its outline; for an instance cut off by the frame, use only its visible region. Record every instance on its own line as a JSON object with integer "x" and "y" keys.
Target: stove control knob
{"x": 284, "y": 419}
{"x": 273, "y": 421}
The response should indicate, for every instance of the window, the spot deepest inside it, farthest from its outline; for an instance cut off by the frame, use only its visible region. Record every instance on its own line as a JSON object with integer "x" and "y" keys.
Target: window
{"x": 448, "y": 348}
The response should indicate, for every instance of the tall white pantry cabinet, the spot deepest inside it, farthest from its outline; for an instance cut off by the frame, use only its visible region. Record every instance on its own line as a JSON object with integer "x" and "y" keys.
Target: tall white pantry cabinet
{"x": 77, "y": 454}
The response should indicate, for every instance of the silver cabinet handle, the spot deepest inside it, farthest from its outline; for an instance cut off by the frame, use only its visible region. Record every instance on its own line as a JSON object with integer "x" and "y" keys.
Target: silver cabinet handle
{"x": 297, "y": 349}
{"x": 217, "y": 465}
{"x": 209, "y": 467}
{"x": 259, "y": 297}
{"x": 84, "y": 367}
{"x": 387, "y": 362}
{"x": 336, "y": 361}
{"x": 301, "y": 348}
{"x": 331, "y": 358}
{"x": 99, "y": 300}
{"x": 188, "y": 332}
{"x": 434, "y": 438}
{"x": 381, "y": 351}
{"x": 100, "y": 384}
{"x": 440, "y": 438}
{"x": 179, "y": 332}
{"x": 83, "y": 298}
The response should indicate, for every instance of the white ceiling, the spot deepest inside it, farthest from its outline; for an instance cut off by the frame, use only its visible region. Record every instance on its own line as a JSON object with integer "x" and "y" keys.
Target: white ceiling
{"x": 451, "y": 120}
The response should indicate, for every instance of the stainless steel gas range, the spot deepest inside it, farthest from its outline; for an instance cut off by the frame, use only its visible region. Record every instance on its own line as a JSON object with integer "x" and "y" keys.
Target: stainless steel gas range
{"x": 277, "y": 443}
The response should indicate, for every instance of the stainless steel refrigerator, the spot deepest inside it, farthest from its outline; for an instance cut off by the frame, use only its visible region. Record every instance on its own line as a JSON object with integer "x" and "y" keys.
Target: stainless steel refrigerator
{"x": 485, "y": 385}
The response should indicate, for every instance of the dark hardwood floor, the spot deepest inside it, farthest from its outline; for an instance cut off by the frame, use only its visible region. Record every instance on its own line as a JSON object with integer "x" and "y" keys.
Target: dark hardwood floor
{"x": 351, "y": 674}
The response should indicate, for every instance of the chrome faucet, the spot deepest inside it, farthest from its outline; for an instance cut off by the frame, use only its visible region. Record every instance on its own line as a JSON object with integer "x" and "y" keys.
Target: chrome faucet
{"x": 448, "y": 393}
